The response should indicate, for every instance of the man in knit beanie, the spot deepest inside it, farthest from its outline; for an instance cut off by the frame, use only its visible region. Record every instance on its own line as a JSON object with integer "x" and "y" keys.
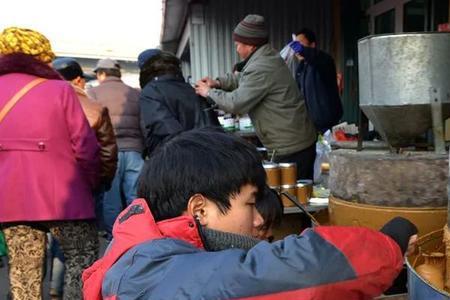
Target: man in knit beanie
{"x": 251, "y": 31}
{"x": 264, "y": 88}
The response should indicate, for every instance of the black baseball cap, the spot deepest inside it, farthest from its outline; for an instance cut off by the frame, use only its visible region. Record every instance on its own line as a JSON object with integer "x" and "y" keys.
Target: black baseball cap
{"x": 69, "y": 68}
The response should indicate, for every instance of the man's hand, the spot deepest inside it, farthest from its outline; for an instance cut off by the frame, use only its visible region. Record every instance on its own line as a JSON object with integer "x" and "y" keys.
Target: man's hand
{"x": 202, "y": 88}
{"x": 412, "y": 245}
{"x": 403, "y": 232}
{"x": 297, "y": 47}
{"x": 210, "y": 82}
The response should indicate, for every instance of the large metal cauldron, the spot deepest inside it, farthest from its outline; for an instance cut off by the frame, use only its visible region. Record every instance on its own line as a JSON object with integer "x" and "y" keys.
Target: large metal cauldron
{"x": 399, "y": 74}
{"x": 418, "y": 288}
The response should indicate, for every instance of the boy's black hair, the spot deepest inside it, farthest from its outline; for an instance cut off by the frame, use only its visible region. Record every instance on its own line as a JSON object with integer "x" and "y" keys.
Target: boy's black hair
{"x": 206, "y": 161}
{"x": 308, "y": 33}
{"x": 271, "y": 208}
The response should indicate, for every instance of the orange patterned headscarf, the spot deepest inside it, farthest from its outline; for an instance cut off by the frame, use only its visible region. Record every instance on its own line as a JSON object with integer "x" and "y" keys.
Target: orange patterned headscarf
{"x": 26, "y": 41}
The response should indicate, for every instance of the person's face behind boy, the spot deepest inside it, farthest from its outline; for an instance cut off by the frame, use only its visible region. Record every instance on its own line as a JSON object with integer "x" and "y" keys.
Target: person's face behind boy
{"x": 242, "y": 217}
{"x": 264, "y": 234}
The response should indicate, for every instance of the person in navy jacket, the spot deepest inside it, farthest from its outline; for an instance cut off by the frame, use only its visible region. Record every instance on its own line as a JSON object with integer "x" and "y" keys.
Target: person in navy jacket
{"x": 317, "y": 80}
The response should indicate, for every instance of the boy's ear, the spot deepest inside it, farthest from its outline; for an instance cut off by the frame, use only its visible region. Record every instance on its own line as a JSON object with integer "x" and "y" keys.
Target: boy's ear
{"x": 197, "y": 208}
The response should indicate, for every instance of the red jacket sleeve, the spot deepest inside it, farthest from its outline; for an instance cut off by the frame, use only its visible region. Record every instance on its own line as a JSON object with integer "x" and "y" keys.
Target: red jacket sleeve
{"x": 375, "y": 257}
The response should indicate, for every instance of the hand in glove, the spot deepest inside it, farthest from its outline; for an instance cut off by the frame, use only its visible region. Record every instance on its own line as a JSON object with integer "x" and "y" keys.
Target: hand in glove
{"x": 297, "y": 47}
{"x": 403, "y": 232}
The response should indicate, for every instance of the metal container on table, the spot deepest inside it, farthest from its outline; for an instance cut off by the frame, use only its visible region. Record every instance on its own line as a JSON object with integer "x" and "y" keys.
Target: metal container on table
{"x": 273, "y": 173}
{"x": 291, "y": 190}
{"x": 304, "y": 190}
{"x": 418, "y": 288}
{"x": 288, "y": 173}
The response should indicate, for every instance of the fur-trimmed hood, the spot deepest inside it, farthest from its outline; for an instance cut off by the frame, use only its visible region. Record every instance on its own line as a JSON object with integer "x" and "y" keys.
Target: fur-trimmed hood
{"x": 26, "y": 64}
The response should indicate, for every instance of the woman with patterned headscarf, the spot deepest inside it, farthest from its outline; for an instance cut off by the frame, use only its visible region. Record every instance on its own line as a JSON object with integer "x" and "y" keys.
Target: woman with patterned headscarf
{"x": 48, "y": 166}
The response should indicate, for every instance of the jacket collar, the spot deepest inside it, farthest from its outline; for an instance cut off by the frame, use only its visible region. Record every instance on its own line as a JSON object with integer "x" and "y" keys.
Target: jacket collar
{"x": 79, "y": 90}
{"x": 26, "y": 64}
{"x": 137, "y": 222}
{"x": 133, "y": 226}
{"x": 165, "y": 77}
{"x": 261, "y": 51}
{"x": 111, "y": 79}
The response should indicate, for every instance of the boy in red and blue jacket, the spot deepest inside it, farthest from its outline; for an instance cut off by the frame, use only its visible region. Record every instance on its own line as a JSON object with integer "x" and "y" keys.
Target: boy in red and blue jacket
{"x": 193, "y": 233}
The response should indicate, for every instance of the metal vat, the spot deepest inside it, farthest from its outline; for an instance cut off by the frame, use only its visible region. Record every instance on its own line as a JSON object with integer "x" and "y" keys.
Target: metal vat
{"x": 419, "y": 289}
{"x": 347, "y": 213}
{"x": 399, "y": 75}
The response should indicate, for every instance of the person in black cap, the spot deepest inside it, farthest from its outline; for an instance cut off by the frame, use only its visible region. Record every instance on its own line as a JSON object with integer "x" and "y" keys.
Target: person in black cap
{"x": 168, "y": 103}
{"x": 97, "y": 115}
{"x": 264, "y": 88}
{"x": 99, "y": 120}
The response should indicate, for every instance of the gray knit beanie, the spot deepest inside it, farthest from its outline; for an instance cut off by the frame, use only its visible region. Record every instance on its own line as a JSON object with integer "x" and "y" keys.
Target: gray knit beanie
{"x": 251, "y": 31}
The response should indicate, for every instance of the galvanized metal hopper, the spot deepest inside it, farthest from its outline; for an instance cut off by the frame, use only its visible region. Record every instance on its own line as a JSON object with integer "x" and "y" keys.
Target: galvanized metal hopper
{"x": 403, "y": 80}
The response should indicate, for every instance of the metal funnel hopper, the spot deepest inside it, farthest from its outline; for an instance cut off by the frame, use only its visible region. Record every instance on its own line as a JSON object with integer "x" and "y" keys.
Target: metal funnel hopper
{"x": 400, "y": 76}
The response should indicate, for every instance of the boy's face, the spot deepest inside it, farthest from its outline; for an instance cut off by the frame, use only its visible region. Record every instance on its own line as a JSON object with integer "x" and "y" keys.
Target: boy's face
{"x": 242, "y": 217}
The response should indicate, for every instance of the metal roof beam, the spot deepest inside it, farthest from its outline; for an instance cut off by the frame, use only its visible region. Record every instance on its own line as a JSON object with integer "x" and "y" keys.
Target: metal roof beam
{"x": 174, "y": 18}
